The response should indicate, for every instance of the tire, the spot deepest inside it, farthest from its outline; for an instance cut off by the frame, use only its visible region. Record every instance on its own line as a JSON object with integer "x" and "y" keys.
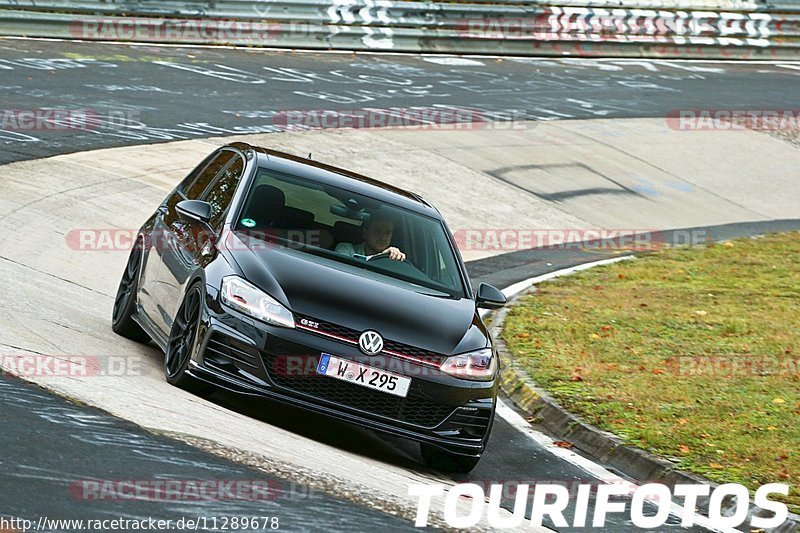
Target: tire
{"x": 125, "y": 302}
{"x": 444, "y": 461}
{"x": 182, "y": 342}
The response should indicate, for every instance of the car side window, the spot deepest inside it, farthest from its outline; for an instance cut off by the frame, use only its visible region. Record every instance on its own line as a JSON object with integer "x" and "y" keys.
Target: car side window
{"x": 172, "y": 216}
{"x": 220, "y": 194}
{"x": 206, "y": 176}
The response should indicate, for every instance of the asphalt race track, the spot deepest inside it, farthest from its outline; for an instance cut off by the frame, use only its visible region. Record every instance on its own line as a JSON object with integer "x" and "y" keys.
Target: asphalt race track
{"x": 56, "y": 444}
{"x": 146, "y": 94}
{"x": 149, "y": 94}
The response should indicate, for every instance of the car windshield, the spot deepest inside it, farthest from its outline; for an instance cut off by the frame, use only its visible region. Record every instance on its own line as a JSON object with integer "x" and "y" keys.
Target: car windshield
{"x": 332, "y": 224}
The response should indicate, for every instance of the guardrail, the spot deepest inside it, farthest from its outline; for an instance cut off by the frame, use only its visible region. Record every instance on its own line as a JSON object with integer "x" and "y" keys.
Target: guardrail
{"x": 623, "y": 28}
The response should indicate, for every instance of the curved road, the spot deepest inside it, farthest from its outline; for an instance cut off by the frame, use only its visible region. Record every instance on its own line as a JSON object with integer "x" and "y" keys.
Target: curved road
{"x": 143, "y": 94}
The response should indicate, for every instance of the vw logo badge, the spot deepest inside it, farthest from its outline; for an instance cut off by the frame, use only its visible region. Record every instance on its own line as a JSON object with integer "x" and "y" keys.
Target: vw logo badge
{"x": 370, "y": 342}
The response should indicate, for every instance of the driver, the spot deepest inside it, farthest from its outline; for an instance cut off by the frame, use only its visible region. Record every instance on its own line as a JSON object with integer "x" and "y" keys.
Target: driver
{"x": 377, "y": 232}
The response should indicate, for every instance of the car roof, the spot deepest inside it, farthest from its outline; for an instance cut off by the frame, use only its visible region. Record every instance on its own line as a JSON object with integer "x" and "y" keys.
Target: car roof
{"x": 338, "y": 177}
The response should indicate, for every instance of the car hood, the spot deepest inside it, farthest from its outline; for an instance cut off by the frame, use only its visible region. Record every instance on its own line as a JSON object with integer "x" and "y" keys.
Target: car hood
{"x": 324, "y": 290}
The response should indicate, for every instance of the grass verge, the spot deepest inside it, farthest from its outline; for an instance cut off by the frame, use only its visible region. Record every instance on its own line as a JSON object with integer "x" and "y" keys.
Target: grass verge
{"x": 690, "y": 353}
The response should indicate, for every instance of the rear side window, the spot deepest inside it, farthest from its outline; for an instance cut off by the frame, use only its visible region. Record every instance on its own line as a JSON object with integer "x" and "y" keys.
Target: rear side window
{"x": 206, "y": 176}
{"x": 221, "y": 192}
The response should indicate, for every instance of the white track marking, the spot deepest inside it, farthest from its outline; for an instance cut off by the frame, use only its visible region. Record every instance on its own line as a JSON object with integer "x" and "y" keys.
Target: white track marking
{"x": 516, "y": 288}
{"x": 512, "y": 417}
{"x": 454, "y": 61}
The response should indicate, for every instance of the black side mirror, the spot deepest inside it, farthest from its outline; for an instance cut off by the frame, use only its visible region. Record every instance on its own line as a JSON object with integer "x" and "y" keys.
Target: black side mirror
{"x": 195, "y": 209}
{"x": 490, "y": 297}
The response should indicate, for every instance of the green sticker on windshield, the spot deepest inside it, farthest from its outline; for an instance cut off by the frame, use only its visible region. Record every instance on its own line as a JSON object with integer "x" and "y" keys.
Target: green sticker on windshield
{"x": 248, "y": 222}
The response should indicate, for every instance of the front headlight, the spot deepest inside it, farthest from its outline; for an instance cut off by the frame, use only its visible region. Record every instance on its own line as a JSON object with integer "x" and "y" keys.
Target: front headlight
{"x": 249, "y": 299}
{"x": 477, "y": 366}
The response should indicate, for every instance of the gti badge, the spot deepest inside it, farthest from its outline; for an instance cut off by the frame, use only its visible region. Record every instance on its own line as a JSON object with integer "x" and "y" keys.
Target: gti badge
{"x": 370, "y": 342}
{"x": 309, "y": 323}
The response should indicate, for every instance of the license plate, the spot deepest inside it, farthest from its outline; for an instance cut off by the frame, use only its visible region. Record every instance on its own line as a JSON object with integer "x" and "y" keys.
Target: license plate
{"x": 363, "y": 375}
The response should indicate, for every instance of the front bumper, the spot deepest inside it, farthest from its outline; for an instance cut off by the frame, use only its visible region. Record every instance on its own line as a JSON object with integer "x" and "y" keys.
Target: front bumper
{"x": 239, "y": 354}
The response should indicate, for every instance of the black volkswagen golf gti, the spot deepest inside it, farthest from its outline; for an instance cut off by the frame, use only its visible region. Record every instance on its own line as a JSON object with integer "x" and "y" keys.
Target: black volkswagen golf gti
{"x": 277, "y": 276}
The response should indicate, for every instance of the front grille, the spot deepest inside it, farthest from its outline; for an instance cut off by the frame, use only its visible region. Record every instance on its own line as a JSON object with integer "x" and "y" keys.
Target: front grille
{"x": 412, "y": 410}
{"x": 415, "y": 352}
{"x": 352, "y": 335}
{"x": 331, "y": 328}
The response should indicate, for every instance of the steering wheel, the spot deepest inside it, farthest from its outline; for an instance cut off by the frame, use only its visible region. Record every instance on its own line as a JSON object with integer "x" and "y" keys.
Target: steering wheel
{"x": 382, "y": 255}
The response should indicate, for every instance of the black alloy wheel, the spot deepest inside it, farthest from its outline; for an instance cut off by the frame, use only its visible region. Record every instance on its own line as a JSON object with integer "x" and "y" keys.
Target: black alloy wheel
{"x": 182, "y": 342}
{"x": 122, "y": 321}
